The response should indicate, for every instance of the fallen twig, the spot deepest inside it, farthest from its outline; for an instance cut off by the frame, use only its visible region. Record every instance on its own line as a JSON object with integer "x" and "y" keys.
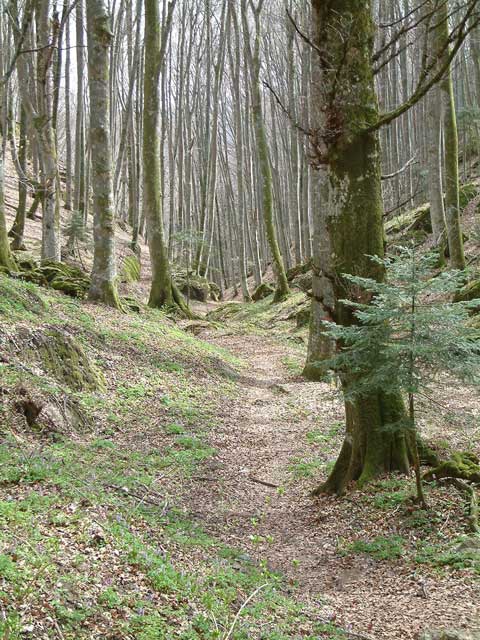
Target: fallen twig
{"x": 237, "y": 615}
{"x": 264, "y": 482}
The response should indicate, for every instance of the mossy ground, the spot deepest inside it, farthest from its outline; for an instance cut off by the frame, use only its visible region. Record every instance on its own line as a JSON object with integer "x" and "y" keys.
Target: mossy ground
{"x": 266, "y": 318}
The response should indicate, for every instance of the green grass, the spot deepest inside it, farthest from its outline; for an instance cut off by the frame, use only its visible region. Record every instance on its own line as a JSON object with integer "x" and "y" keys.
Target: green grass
{"x": 450, "y": 554}
{"x": 305, "y": 468}
{"x": 319, "y": 437}
{"x": 434, "y": 551}
{"x": 74, "y": 481}
{"x": 294, "y": 364}
{"x": 380, "y": 548}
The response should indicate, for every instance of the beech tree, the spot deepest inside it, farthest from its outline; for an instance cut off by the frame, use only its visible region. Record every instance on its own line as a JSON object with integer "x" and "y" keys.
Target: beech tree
{"x": 5, "y": 254}
{"x": 236, "y": 185}
{"x": 345, "y": 148}
{"x": 253, "y": 57}
{"x": 103, "y": 287}
{"x": 452, "y": 197}
{"x": 163, "y": 292}
{"x": 344, "y": 105}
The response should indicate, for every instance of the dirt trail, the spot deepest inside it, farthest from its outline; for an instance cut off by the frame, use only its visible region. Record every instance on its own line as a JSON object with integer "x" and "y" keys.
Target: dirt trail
{"x": 264, "y": 432}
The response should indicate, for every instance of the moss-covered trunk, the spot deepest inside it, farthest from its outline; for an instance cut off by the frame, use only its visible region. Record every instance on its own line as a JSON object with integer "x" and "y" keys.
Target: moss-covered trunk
{"x": 344, "y": 106}
{"x": 162, "y": 293}
{"x": 263, "y": 155}
{"x": 18, "y": 227}
{"x": 320, "y": 346}
{"x": 103, "y": 287}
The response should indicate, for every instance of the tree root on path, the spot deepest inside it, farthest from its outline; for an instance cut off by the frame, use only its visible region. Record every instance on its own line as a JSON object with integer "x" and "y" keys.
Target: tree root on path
{"x": 471, "y": 493}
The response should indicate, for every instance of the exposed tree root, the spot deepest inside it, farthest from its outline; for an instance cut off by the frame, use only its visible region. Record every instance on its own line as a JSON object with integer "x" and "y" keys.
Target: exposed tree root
{"x": 469, "y": 490}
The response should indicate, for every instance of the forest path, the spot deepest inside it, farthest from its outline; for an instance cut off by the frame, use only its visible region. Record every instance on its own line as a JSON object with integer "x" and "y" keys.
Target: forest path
{"x": 282, "y": 430}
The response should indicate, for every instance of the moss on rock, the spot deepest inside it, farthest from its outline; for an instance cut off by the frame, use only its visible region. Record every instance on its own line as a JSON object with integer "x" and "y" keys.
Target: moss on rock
{"x": 262, "y": 291}
{"x": 303, "y": 316}
{"x": 215, "y": 291}
{"x": 58, "y": 275}
{"x": 298, "y": 270}
{"x": 131, "y": 269}
{"x": 193, "y": 286}
{"x": 25, "y": 260}
{"x": 224, "y": 312}
{"x": 304, "y": 281}
{"x": 18, "y": 298}
{"x": 410, "y": 222}
{"x": 467, "y": 193}
{"x": 462, "y": 464}
{"x": 470, "y": 291}
{"x": 63, "y": 357}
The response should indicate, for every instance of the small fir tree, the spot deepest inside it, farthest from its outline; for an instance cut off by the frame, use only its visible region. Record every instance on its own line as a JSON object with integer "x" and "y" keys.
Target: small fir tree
{"x": 408, "y": 335}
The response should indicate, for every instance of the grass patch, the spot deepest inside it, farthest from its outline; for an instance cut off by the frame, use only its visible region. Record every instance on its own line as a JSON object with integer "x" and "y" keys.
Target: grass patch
{"x": 305, "y": 468}
{"x": 380, "y": 548}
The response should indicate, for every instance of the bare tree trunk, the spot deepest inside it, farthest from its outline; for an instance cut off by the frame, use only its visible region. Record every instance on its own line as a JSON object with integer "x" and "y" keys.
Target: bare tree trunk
{"x": 68, "y": 128}
{"x": 79, "y": 182}
{"x": 435, "y": 188}
{"x": 40, "y": 119}
{"x": 452, "y": 187}
{"x": 6, "y": 259}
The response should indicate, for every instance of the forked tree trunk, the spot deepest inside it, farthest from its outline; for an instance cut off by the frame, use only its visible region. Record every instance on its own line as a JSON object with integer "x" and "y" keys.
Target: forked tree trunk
{"x": 103, "y": 287}
{"x": 344, "y": 105}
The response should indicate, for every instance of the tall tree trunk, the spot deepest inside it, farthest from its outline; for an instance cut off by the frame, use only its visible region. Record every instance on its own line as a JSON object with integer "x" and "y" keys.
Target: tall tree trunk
{"x": 235, "y": 67}
{"x": 79, "y": 181}
{"x": 43, "y": 124}
{"x": 253, "y": 57}
{"x": 344, "y": 104}
{"x": 103, "y": 287}
{"x": 18, "y": 227}
{"x": 452, "y": 203}
{"x": 163, "y": 293}
{"x": 435, "y": 187}
{"x": 6, "y": 259}
{"x": 68, "y": 127}
{"x": 161, "y": 290}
